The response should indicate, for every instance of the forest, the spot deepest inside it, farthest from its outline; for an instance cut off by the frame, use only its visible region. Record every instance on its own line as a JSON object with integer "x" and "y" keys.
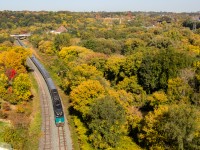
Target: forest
{"x": 132, "y": 78}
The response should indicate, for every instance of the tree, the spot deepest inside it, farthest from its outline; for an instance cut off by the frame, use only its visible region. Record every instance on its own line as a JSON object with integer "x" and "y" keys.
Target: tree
{"x": 16, "y": 137}
{"x": 74, "y": 53}
{"x": 35, "y": 40}
{"x": 131, "y": 45}
{"x": 101, "y": 45}
{"x": 62, "y": 40}
{"x": 149, "y": 73}
{"x": 14, "y": 59}
{"x": 131, "y": 104}
{"x": 84, "y": 95}
{"x": 156, "y": 70}
{"x": 174, "y": 127}
{"x": 21, "y": 87}
{"x": 181, "y": 127}
{"x": 107, "y": 119}
{"x": 113, "y": 69}
{"x": 3, "y": 85}
{"x": 98, "y": 60}
{"x": 131, "y": 85}
{"x": 179, "y": 90}
{"x": 46, "y": 47}
{"x": 132, "y": 64}
{"x": 157, "y": 98}
{"x": 79, "y": 74}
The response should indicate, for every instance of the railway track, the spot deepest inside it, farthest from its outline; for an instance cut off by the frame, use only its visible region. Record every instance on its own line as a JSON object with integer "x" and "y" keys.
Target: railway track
{"x": 46, "y": 142}
{"x": 47, "y": 123}
{"x": 61, "y": 139}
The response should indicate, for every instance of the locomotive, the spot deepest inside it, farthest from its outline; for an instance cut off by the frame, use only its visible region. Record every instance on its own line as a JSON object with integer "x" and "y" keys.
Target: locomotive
{"x": 57, "y": 105}
{"x": 56, "y": 101}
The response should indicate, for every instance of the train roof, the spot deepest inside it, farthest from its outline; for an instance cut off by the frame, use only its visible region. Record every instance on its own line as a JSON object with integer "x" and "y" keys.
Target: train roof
{"x": 44, "y": 72}
{"x": 50, "y": 84}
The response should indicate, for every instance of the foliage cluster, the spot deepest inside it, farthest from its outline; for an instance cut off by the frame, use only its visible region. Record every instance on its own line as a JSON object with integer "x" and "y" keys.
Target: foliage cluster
{"x": 15, "y": 97}
{"x": 127, "y": 81}
{"x": 132, "y": 77}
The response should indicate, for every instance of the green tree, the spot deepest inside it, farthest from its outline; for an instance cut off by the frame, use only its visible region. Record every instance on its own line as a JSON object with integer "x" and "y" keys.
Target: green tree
{"x": 107, "y": 119}
{"x": 174, "y": 127}
{"x": 131, "y": 85}
{"x": 155, "y": 70}
{"x": 35, "y": 40}
{"x": 62, "y": 40}
{"x": 149, "y": 73}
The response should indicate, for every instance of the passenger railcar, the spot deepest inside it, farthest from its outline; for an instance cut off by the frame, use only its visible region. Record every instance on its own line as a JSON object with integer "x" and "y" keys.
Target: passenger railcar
{"x": 56, "y": 101}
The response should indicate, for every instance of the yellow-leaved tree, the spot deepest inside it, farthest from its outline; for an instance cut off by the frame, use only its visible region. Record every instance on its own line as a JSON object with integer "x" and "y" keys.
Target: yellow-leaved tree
{"x": 72, "y": 53}
{"x": 85, "y": 94}
{"x": 14, "y": 59}
{"x": 21, "y": 87}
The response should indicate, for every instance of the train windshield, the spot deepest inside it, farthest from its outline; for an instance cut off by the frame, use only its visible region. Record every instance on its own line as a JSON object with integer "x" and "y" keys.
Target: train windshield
{"x": 55, "y": 95}
{"x": 58, "y": 104}
{"x": 59, "y": 111}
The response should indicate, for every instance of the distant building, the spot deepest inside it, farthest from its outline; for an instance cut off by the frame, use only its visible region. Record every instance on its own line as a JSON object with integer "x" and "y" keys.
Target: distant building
{"x": 61, "y": 29}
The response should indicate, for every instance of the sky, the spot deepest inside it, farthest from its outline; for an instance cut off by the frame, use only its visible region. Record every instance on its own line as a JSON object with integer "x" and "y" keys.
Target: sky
{"x": 102, "y": 5}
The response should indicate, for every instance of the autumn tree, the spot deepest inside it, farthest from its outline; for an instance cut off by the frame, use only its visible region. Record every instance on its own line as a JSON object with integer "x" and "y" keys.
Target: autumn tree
{"x": 131, "y": 85}
{"x": 21, "y": 87}
{"x": 131, "y": 104}
{"x": 79, "y": 74}
{"x": 74, "y": 53}
{"x": 178, "y": 90}
{"x": 131, "y": 64}
{"x": 132, "y": 44}
{"x": 157, "y": 98}
{"x": 16, "y": 137}
{"x": 14, "y": 59}
{"x": 113, "y": 69}
{"x": 3, "y": 85}
{"x": 46, "y": 47}
{"x": 84, "y": 95}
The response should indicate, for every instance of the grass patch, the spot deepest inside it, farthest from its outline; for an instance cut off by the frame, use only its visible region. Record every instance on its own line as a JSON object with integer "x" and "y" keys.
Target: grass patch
{"x": 34, "y": 129}
{"x": 2, "y": 126}
{"x": 34, "y": 133}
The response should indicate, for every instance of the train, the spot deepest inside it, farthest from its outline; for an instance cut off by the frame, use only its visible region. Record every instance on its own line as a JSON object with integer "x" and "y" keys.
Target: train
{"x": 56, "y": 101}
